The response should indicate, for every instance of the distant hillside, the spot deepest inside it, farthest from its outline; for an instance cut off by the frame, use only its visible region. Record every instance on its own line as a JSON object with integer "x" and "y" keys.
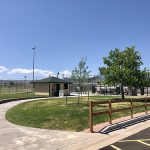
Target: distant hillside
{"x": 91, "y": 79}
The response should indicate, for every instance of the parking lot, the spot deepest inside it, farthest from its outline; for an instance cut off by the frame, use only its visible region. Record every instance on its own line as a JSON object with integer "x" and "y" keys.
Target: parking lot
{"x": 138, "y": 141}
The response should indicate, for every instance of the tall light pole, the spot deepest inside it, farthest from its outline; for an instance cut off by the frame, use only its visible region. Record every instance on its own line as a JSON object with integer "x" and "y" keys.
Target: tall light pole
{"x": 33, "y": 67}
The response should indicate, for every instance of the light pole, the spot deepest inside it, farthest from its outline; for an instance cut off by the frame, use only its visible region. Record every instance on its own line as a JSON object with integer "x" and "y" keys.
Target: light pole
{"x": 33, "y": 67}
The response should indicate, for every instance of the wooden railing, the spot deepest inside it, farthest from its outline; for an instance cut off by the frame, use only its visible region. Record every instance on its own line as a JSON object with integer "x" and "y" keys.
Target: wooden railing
{"x": 110, "y": 111}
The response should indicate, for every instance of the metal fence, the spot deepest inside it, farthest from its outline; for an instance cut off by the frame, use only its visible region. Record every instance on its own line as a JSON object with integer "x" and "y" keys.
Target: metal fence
{"x": 12, "y": 87}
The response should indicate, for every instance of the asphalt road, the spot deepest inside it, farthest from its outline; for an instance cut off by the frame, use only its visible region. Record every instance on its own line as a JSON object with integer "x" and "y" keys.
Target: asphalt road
{"x": 138, "y": 141}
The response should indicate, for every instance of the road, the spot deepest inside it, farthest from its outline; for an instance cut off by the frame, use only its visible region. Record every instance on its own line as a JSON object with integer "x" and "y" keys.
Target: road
{"x": 138, "y": 141}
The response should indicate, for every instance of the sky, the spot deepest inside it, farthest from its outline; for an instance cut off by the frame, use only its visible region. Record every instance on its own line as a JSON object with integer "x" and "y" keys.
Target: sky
{"x": 64, "y": 31}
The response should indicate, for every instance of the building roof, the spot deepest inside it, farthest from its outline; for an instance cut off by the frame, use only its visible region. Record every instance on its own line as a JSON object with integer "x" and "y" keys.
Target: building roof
{"x": 53, "y": 80}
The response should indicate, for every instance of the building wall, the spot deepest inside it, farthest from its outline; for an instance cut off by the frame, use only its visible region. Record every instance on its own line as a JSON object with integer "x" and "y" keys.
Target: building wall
{"x": 41, "y": 93}
{"x": 61, "y": 86}
{"x": 43, "y": 89}
{"x": 50, "y": 93}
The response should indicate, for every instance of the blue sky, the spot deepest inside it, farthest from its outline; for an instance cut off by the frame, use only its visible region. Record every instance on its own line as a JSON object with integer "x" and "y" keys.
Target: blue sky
{"x": 63, "y": 31}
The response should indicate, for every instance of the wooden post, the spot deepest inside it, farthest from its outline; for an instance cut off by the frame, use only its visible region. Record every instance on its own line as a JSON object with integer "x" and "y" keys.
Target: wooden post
{"x": 110, "y": 112}
{"x": 131, "y": 102}
{"x": 146, "y": 106}
{"x": 91, "y": 116}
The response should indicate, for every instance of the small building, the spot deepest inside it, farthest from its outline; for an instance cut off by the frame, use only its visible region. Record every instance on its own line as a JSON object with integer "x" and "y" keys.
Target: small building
{"x": 51, "y": 86}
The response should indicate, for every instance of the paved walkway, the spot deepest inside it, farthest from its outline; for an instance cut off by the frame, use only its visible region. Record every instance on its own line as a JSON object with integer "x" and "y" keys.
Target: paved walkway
{"x": 15, "y": 137}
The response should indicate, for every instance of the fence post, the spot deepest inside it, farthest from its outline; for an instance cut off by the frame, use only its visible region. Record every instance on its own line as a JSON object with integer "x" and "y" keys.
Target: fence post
{"x": 91, "y": 116}
{"x": 9, "y": 89}
{"x": 110, "y": 112}
{"x": 146, "y": 106}
{"x": 16, "y": 87}
{"x": 131, "y": 102}
{"x": 0, "y": 89}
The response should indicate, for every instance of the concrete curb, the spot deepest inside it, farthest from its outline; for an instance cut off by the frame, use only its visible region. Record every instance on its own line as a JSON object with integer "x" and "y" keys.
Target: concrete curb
{"x": 124, "y": 124}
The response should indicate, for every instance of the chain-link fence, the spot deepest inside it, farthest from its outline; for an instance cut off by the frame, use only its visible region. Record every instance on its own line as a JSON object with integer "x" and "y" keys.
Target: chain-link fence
{"x": 12, "y": 87}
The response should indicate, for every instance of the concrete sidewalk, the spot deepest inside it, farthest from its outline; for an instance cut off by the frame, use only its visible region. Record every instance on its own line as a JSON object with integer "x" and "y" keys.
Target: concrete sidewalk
{"x": 15, "y": 137}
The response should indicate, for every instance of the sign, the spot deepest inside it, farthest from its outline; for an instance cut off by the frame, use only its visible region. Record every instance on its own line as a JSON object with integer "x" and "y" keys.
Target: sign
{"x": 61, "y": 93}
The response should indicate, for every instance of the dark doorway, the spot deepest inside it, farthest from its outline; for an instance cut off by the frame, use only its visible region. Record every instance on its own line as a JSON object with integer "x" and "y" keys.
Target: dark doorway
{"x": 57, "y": 89}
{"x": 65, "y": 86}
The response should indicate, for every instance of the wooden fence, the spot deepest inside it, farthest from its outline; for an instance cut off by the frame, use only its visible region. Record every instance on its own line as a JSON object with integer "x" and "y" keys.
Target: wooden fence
{"x": 110, "y": 111}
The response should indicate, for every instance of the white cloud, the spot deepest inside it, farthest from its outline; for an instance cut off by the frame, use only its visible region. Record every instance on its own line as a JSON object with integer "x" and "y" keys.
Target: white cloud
{"x": 17, "y": 72}
{"x": 3, "y": 69}
{"x": 30, "y": 71}
{"x": 65, "y": 73}
{"x": 20, "y": 71}
{"x": 44, "y": 72}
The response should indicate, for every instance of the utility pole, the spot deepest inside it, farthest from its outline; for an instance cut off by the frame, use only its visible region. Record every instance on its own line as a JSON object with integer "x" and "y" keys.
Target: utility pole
{"x": 33, "y": 67}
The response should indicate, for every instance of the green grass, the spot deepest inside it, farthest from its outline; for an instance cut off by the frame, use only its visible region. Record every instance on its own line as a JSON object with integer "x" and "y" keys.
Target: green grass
{"x": 97, "y": 97}
{"x": 4, "y": 97}
{"x": 14, "y": 89}
{"x": 54, "y": 114}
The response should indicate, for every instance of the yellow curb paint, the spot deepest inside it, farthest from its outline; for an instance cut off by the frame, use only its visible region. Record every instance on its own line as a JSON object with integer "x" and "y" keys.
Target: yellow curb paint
{"x": 134, "y": 140}
{"x": 143, "y": 143}
{"x": 116, "y": 148}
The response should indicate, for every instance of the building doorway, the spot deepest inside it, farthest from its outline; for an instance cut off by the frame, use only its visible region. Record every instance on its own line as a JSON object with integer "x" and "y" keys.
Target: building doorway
{"x": 55, "y": 89}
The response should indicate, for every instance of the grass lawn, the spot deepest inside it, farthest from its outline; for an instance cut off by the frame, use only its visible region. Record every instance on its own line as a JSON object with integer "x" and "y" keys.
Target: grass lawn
{"x": 4, "y": 97}
{"x": 56, "y": 115}
{"x": 13, "y": 89}
{"x": 98, "y": 97}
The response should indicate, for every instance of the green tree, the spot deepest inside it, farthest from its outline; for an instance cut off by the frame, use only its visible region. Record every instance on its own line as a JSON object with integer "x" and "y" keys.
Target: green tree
{"x": 121, "y": 68}
{"x": 144, "y": 79}
{"x": 81, "y": 74}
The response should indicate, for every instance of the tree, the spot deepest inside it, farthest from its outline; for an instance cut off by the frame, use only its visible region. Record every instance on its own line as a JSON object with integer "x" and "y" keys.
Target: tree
{"x": 122, "y": 68}
{"x": 81, "y": 74}
{"x": 144, "y": 80}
